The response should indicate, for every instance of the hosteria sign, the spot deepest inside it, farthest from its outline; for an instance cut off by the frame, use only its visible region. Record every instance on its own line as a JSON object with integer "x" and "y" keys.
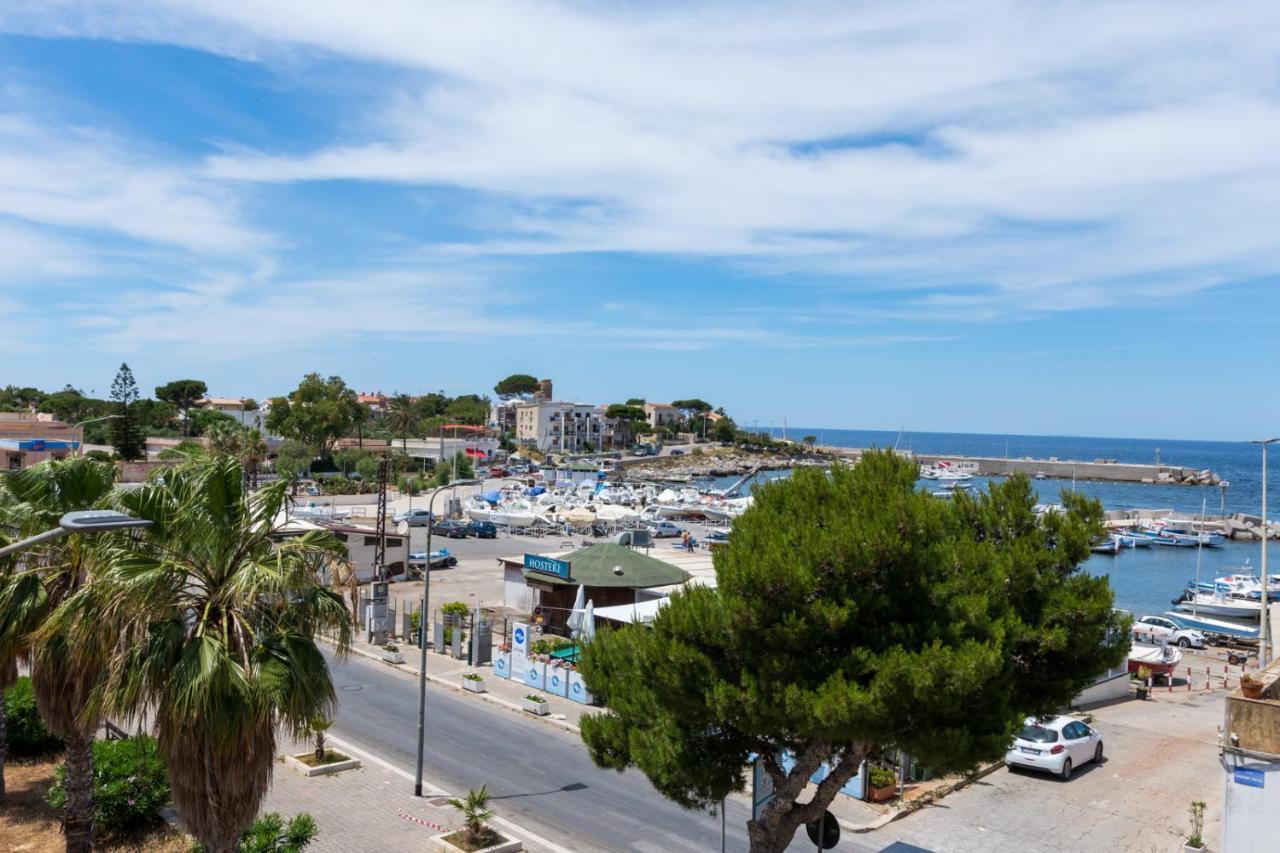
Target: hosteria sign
{"x": 546, "y": 566}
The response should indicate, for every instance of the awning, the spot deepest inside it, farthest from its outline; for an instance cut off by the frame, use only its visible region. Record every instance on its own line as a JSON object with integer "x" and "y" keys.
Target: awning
{"x": 643, "y": 612}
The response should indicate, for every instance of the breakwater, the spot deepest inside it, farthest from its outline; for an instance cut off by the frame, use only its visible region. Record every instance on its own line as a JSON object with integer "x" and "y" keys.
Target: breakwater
{"x": 1108, "y": 470}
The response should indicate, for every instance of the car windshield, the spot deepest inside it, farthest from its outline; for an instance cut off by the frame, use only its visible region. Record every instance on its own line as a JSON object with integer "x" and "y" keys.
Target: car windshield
{"x": 1038, "y": 734}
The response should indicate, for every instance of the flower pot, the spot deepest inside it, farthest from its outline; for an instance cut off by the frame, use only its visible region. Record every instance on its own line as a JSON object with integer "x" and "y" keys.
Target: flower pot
{"x": 1187, "y": 848}
{"x": 883, "y": 795}
{"x": 297, "y": 763}
{"x": 506, "y": 845}
{"x": 1251, "y": 689}
{"x": 392, "y": 657}
{"x": 540, "y": 709}
{"x": 473, "y": 685}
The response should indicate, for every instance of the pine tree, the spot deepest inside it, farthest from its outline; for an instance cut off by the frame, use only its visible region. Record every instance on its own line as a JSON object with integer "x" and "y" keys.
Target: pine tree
{"x": 126, "y": 432}
{"x": 853, "y": 612}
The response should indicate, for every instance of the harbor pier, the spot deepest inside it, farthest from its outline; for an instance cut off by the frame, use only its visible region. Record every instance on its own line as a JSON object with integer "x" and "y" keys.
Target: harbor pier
{"x": 1062, "y": 469}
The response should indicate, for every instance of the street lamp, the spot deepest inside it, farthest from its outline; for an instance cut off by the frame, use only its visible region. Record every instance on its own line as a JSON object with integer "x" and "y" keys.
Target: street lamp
{"x": 422, "y": 629}
{"x": 1265, "y": 620}
{"x": 81, "y": 425}
{"x": 83, "y": 521}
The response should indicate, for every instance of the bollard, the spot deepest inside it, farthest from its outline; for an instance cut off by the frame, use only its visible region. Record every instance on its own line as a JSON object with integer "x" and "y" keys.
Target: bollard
{"x": 1208, "y": 685}
{"x": 1189, "y": 678}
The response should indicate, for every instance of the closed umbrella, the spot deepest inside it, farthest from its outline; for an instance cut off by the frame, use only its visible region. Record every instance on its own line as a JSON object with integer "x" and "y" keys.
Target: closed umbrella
{"x": 588, "y": 631}
{"x": 575, "y": 616}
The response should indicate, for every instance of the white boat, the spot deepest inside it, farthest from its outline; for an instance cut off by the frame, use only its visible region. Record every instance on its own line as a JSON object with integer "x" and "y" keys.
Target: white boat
{"x": 1159, "y": 659}
{"x": 1218, "y": 604}
{"x": 1209, "y": 625}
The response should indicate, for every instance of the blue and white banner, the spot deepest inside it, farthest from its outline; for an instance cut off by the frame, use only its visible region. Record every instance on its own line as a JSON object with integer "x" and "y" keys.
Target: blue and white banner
{"x": 547, "y": 565}
{"x": 557, "y": 681}
{"x": 535, "y": 676}
{"x": 578, "y": 691}
{"x": 520, "y": 640}
{"x": 502, "y": 665}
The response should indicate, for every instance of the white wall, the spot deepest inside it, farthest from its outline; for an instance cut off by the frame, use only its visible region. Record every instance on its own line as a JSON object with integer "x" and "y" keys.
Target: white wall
{"x": 1250, "y": 816}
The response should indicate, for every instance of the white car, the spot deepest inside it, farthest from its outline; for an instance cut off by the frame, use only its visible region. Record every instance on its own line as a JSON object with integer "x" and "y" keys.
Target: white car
{"x": 664, "y": 529}
{"x": 415, "y": 517}
{"x": 1153, "y": 629}
{"x": 1054, "y": 745}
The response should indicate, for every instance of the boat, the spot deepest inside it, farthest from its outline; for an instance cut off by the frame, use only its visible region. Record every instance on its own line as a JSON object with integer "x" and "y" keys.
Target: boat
{"x": 1160, "y": 659}
{"x": 1128, "y": 540}
{"x": 1220, "y": 602}
{"x": 1111, "y": 545}
{"x": 1040, "y": 475}
{"x": 1224, "y": 627}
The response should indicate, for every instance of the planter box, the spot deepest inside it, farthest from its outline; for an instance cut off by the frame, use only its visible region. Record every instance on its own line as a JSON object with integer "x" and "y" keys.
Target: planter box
{"x": 541, "y": 709}
{"x": 471, "y": 685}
{"x": 393, "y": 657}
{"x": 324, "y": 769}
{"x": 512, "y": 846}
{"x": 557, "y": 683}
{"x": 1187, "y": 848}
{"x": 883, "y": 795}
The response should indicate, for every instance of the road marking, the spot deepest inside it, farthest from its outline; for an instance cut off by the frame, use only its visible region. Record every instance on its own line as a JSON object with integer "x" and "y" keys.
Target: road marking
{"x": 440, "y": 792}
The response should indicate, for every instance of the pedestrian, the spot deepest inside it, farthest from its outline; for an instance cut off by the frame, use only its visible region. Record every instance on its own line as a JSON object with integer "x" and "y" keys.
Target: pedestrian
{"x": 684, "y": 539}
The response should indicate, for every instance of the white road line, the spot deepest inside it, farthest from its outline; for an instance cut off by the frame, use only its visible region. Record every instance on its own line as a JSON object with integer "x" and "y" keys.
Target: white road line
{"x": 440, "y": 792}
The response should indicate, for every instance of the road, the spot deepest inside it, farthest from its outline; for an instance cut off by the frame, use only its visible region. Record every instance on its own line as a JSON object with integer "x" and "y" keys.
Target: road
{"x": 540, "y": 775}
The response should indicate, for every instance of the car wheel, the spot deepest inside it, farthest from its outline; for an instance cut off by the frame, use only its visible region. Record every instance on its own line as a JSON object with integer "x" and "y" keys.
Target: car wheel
{"x": 1183, "y": 642}
{"x": 1097, "y": 754}
{"x": 1066, "y": 770}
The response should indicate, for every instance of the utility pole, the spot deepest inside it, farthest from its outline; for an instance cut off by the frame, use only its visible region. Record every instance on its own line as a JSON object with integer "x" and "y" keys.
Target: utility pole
{"x": 1264, "y": 627}
{"x": 380, "y": 547}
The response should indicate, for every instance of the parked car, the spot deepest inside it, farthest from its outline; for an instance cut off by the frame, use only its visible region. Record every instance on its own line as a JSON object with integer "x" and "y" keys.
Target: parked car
{"x": 1157, "y": 628}
{"x": 1054, "y": 745}
{"x": 415, "y": 517}
{"x": 497, "y": 471}
{"x": 450, "y": 528}
{"x": 483, "y": 529}
{"x": 664, "y": 529}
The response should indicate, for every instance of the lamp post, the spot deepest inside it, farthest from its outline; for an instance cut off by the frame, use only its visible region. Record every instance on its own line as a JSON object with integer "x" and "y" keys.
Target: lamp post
{"x": 1265, "y": 620}
{"x": 82, "y": 521}
{"x": 81, "y": 425}
{"x": 422, "y": 631}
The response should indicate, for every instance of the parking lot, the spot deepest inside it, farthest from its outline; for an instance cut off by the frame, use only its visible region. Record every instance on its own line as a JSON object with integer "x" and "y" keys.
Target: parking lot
{"x": 1160, "y": 756}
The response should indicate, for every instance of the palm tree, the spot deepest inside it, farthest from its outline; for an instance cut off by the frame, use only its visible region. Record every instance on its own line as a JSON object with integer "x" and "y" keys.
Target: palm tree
{"x": 212, "y": 627}
{"x": 475, "y": 813}
{"x": 255, "y": 453}
{"x": 402, "y": 418}
{"x": 8, "y": 675}
{"x": 44, "y": 578}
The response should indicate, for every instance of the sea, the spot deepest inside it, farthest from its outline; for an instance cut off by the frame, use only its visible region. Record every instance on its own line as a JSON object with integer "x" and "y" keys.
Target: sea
{"x": 1145, "y": 580}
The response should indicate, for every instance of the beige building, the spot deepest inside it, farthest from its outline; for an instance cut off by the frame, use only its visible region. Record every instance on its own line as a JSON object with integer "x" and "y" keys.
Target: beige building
{"x": 30, "y": 437}
{"x": 562, "y": 427}
{"x": 661, "y": 414}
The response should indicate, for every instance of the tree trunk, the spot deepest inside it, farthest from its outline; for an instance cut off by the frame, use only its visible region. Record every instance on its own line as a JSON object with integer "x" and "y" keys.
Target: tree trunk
{"x": 780, "y": 819}
{"x": 4, "y": 744}
{"x": 77, "y": 816}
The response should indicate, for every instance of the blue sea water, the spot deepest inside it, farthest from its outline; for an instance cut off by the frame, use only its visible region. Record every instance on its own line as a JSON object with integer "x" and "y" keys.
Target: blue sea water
{"x": 1145, "y": 580}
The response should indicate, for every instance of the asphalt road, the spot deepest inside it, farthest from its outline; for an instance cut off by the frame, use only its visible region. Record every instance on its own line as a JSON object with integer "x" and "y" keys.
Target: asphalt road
{"x": 540, "y": 776}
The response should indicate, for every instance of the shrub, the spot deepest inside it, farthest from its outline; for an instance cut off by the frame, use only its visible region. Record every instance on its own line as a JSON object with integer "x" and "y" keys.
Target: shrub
{"x": 455, "y": 608}
{"x": 270, "y": 834}
{"x": 881, "y": 777}
{"x": 130, "y": 784}
{"x": 27, "y": 732}
{"x": 547, "y": 645}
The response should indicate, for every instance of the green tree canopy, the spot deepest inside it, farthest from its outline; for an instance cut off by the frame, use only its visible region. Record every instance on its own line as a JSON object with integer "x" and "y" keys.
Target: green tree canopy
{"x": 691, "y": 406}
{"x": 126, "y": 430}
{"x": 182, "y": 394}
{"x": 469, "y": 409}
{"x": 318, "y": 412}
{"x": 516, "y": 383}
{"x": 402, "y": 417}
{"x": 628, "y": 417}
{"x": 853, "y": 611}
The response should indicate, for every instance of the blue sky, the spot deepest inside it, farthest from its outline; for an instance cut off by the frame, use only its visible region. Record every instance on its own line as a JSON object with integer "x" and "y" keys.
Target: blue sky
{"x": 1002, "y": 217}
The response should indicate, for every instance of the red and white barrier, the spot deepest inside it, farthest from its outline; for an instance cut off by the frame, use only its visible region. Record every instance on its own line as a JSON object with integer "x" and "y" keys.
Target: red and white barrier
{"x": 437, "y": 827}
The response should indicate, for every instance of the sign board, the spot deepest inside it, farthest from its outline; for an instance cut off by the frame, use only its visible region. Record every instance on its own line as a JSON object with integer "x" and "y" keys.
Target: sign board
{"x": 36, "y": 445}
{"x": 1250, "y": 777}
{"x": 379, "y": 591}
{"x": 761, "y": 788}
{"x": 824, "y": 832}
{"x": 520, "y": 641}
{"x": 547, "y": 566}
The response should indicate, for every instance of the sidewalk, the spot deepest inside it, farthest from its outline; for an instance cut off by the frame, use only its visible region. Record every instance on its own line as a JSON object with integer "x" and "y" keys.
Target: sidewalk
{"x": 373, "y": 808}
{"x": 448, "y": 671}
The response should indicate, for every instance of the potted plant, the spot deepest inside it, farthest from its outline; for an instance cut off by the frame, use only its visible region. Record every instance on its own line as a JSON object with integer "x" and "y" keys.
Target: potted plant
{"x": 476, "y": 836}
{"x": 321, "y": 760}
{"x": 391, "y": 653}
{"x": 535, "y": 704}
{"x": 1144, "y": 681}
{"x": 472, "y": 683}
{"x": 1251, "y": 686}
{"x": 882, "y": 782}
{"x": 1194, "y": 841}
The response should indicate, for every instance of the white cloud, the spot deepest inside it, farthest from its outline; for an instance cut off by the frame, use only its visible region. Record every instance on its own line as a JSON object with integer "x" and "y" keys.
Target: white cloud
{"x": 87, "y": 180}
{"x": 1031, "y": 156}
